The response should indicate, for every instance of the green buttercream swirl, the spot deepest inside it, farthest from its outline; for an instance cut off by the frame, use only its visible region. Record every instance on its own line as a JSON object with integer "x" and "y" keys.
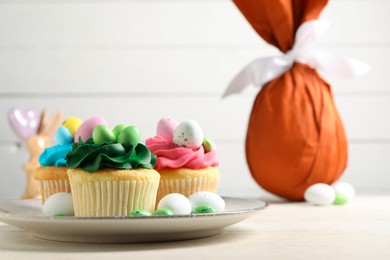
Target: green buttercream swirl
{"x": 92, "y": 157}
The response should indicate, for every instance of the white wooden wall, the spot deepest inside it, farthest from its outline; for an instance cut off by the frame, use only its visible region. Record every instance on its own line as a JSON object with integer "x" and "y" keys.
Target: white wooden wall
{"x": 135, "y": 61}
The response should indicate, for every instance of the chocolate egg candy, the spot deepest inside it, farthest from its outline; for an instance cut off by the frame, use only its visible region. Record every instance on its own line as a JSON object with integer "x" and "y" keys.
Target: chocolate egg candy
{"x": 344, "y": 189}
{"x": 130, "y": 136}
{"x": 188, "y": 134}
{"x": 163, "y": 212}
{"x": 86, "y": 128}
{"x": 208, "y": 145}
{"x": 72, "y": 124}
{"x": 118, "y": 129}
{"x": 340, "y": 199}
{"x": 203, "y": 209}
{"x": 320, "y": 194}
{"x": 140, "y": 213}
{"x": 177, "y": 203}
{"x": 103, "y": 134}
{"x": 59, "y": 204}
{"x": 63, "y": 136}
{"x": 166, "y": 128}
{"x": 204, "y": 199}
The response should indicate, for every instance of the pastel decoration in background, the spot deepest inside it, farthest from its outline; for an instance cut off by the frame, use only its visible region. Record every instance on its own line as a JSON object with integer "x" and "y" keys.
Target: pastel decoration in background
{"x": 206, "y": 202}
{"x": 188, "y": 134}
{"x": 85, "y": 130}
{"x": 59, "y": 204}
{"x": 175, "y": 202}
{"x": 24, "y": 122}
{"x": 320, "y": 194}
{"x": 72, "y": 124}
{"x": 37, "y": 131}
{"x": 118, "y": 129}
{"x": 285, "y": 158}
{"x": 166, "y": 128}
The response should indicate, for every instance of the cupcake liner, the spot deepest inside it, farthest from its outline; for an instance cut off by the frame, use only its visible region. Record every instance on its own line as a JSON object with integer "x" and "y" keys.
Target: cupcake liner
{"x": 187, "y": 186}
{"x": 50, "y": 187}
{"x": 113, "y": 198}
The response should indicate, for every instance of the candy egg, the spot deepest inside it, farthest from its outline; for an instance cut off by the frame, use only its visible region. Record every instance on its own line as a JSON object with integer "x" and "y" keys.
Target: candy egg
{"x": 203, "y": 199}
{"x": 130, "y": 136}
{"x": 63, "y": 136}
{"x": 72, "y": 124}
{"x": 86, "y": 129}
{"x": 177, "y": 203}
{"x": 163, "y": 212}
{"x": 103, "y": 134}
{"x": 340, "y": 199}
{"x": 118, "y": 129}
{"x": 59, "y": 204}
{"x": 188, "y": 134}
{"x": 140, "y": 213}
{"x": 320, "y": 194}
{"x": 344, "y": 189}
{"x": 208, "y": 145}
{"x": 166, "y": 128}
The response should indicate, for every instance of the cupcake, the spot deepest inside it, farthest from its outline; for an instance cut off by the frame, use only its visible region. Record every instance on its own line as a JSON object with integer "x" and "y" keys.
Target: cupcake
{"x": 110, "y": 172}
{"x": 186, "y": 160}
{"x": 52, "y": 171}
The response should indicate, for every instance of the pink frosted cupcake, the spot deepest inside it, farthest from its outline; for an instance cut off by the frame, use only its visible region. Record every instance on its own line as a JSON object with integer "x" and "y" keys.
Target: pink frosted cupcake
{"x": 186, "y": 160}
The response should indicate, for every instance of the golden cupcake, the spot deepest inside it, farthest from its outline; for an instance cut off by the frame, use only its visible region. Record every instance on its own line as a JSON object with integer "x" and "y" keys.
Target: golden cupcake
{"x": 111, "y": 173}
{"x": 186, "y": 160}
{"x": 52, "y": 174}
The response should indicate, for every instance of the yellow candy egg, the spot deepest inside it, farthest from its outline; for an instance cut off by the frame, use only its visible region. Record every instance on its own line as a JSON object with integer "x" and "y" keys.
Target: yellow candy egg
{"x": 72, "y": 124}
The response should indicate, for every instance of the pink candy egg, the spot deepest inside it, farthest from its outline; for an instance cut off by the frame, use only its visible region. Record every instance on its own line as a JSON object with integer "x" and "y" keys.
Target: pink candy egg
{"x": 86, "y": 128}
{"x": 166, "y": 128}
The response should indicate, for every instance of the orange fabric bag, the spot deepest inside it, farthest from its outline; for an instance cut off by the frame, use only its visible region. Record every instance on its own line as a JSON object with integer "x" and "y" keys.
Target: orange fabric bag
{"x": 295, "y": 136}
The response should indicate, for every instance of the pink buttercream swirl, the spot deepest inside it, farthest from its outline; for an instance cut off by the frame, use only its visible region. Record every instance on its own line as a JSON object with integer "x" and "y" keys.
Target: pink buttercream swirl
{"x": 169, "y": 155}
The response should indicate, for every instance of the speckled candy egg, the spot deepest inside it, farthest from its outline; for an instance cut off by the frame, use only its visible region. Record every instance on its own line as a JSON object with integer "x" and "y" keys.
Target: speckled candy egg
{"x": 166, "y": 128}
{"x": 86, "y": 129}
{"x": 175, "y": 202}
{"x": 204, "y": 199}
{"x": 59, "y": 204}
{"x": 188, "y": 134}
{"x": 320, "y": 194}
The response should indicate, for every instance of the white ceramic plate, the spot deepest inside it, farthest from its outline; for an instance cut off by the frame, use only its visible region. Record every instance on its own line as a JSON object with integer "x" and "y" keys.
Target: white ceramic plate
{"x": 27, "y": 214}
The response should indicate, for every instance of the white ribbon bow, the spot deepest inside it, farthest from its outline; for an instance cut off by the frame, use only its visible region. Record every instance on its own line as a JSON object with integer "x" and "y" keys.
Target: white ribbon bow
{"x": 263, "y": 70}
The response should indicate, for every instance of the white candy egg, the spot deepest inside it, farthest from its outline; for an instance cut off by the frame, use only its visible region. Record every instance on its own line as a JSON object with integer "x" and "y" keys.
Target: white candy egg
{"x": 188, "y": 134}
{"x": 320, "y": 194}
{"x": 345, "y": 189}
{"x": 59, "y": 204}
{"x": 207, "y": 198}
{"x": 177, "y": 203}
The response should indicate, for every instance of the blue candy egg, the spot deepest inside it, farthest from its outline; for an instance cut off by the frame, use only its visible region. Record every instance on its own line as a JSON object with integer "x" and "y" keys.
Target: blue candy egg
{"x": 63, "y": 136}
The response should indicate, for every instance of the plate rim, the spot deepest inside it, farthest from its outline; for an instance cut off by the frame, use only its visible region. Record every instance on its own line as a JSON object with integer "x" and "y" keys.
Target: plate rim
{"x": 4, "y": 214}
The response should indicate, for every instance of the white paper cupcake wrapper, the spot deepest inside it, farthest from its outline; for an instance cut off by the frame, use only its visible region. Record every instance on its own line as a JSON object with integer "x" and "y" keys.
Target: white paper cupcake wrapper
{"x": 113, "y": 198}
{"x": 187, "y": 187}
{"x": 50, "y": 187}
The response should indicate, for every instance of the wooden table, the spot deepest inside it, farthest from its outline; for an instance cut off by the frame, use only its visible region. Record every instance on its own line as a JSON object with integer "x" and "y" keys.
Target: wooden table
{"x": 358, "y": 230}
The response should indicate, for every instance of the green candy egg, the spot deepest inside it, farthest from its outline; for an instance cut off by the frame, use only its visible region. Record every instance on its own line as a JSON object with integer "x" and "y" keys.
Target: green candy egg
{"x": 340, "y": 199}
{"x": 103, "y": 134}
{"x": 203, "y": 209}
{"x": 129, "y": 136}
{"x": 140, "y": 213}
{"x": 118, "y": 129}
{"x": 163, "y": 212}
{"x": 208, "y": 145}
